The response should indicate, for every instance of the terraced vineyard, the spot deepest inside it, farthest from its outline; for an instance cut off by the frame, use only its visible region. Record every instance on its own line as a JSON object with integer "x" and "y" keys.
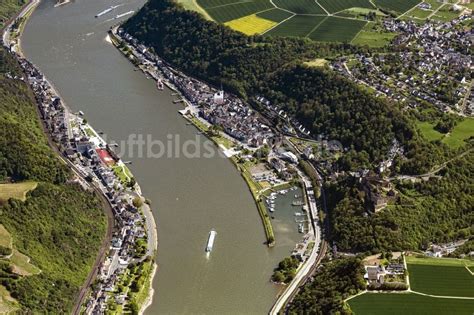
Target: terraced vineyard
{"x": 319, "y": 20}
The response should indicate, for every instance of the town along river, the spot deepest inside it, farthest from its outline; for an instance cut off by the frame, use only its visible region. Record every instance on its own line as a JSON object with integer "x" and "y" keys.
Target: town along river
{"x": 189, "y": 196}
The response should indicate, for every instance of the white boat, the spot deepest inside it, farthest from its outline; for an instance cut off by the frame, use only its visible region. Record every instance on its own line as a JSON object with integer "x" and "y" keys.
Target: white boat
{"x": 301, "y": 228}
{"x": 298, "y": 214}
{"x": 210, "y": 240}
{"x": 118, "y": 16}
{"x": 106, "y": 11}
{"x": 272, "y": 209}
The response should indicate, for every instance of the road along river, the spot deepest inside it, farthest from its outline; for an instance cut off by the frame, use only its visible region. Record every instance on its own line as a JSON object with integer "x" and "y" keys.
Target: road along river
{"x": 189, "y": 196}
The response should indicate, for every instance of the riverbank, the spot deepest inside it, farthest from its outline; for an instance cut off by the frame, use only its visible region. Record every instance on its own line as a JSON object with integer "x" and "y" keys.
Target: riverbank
{"x": 65, "y": 125}
{"x": 150, "y": 291}
{"x": 223, "y": 141}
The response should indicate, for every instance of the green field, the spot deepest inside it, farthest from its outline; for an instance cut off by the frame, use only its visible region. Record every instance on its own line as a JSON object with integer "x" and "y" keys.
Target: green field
{"x": 461, "y": 132}
{"x": 398, "y": 6}
{"x": 228, "y": 12}
{"x": 300, "y": 6}
{"x": 333, "y": 6}
{"x": 441, "y": 276}
{"x": 275, "y": 15}
{"x": 408, "y": 304}
{"x": 445, "y": 14}
{"x": 16, "y": 190}
{"x": 299, "y": 25}
{"x": 192, "y": 5}
{"x": 441, "y": 280}
{"x": 372, "y": 37}
{"x": 335, "y": 29}
{"x": 215, "y": 3}
{"x": 302, "y": 18}
{"x": 21, "y": 264}
{"x": 418, "y": 13}
{"x": 453, "y": 262}
{"x": 428, "y": 131}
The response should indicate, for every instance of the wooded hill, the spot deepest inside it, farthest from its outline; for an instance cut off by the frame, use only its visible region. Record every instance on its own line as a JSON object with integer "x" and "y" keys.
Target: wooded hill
{"x": 59, "y": 226}
{"x": 324, "y": 101}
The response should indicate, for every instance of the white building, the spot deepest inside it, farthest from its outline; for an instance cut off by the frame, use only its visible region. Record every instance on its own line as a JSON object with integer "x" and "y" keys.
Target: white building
{"x": 289, "y": 156}
{"x": 219, "y": 97}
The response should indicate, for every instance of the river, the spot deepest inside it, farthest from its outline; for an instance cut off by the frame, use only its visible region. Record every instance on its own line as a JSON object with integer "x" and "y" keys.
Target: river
{"x": 189, "y": 195}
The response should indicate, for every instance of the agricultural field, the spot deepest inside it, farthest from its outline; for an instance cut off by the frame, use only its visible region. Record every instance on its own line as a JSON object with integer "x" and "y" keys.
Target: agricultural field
{"x": 335, "y": 29}
{"x": 420, "y": 14}
{"x": 236, "y": 10}
{"x": 443, "y": 276}
{"x": 372, "y": 37}
{"x": 300, "y": 6}
{"x": 359, "y": 13}
{"x": 299, "y": 25}
{"x": 322, "y": 20}
{"x": 251, "y": 24}
{"x": 275, "y": 15}
{"x": 397, "y": 6}
{"x": 333, "y": 6}
{"x": 16, "y": 190}
{"x": 408, "y": 303}
{"x": 445, "y": 14}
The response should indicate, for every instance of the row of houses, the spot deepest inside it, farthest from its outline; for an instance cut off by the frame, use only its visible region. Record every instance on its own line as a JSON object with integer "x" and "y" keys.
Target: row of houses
{"x": 236, "y": 118}
{"x": 92, "y": 159}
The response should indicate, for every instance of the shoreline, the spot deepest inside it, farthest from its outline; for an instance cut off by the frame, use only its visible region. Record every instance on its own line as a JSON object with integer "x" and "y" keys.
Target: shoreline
{"x": 149, "y": 300}
{"x": 25, "y": 14}
{"x": 113, "y": 39}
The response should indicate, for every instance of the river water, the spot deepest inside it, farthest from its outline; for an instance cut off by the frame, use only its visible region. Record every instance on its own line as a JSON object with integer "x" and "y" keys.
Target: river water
{"x": 189, "y": 195}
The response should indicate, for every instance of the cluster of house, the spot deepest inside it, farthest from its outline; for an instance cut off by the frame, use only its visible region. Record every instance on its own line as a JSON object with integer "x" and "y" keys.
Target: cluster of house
{"x": 395, "y": 150}
{"x": 441, "y": 250}
{"x": 377, "y": 274}
{"x": 433, "y": 65}
{"x": 236, "y": 118}
{"x": 292, "y": 126}
{"x": 91, "y": 158}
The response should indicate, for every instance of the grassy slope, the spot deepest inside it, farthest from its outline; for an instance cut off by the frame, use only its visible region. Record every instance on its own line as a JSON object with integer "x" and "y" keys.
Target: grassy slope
{"x": 462, "y": 131}
{"x": 16, "y": 190}
{"x": 5, "y": 237}
{"x": 428, "y": 131}
{"x": 59, "y": 226}
{"x": 8, "y": 8}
